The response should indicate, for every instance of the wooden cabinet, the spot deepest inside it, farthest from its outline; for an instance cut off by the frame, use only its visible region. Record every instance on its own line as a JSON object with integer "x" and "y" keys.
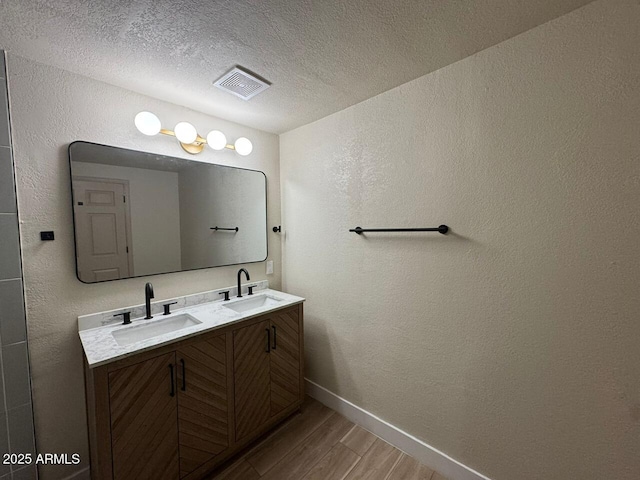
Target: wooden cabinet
{"x": 203, "y": 412}
{"x": 251, "y": 377}
{"x": 169, "y": 414}
{"x": 285, "y": 359}
{"x": 179, "y": 411}
{"x": 267, "y": 373}
{"x": 143, "y": 407}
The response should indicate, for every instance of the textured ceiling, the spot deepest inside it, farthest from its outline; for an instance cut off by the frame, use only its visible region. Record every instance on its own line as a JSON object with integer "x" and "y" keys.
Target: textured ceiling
{"x": 321, "y": 56}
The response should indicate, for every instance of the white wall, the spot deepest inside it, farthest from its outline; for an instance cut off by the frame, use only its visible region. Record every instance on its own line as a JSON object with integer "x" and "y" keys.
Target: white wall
{"x": 513, "y": 343}
{"x": 50, "y": 109}
{"x": 154, "y": 203}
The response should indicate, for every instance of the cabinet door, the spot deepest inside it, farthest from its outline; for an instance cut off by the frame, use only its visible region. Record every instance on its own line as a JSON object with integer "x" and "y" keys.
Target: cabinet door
{"x": 285, "y": 360}
{"x": 251, "y": 377}
{"x": 144, "y": 424}
{"x": 202, "y": 402}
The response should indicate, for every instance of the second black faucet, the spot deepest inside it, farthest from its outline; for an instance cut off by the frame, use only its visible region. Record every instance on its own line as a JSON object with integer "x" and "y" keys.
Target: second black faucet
{"x": 148, "y": 295}
{"x": 239, "y": 280}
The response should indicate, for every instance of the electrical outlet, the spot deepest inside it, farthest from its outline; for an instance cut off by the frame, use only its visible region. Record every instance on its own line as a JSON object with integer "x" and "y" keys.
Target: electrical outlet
{"x": 270, "y": 267}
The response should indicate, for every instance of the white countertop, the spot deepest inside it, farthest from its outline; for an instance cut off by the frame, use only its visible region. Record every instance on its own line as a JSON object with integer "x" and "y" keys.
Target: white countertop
{"x": 100, "y": 346}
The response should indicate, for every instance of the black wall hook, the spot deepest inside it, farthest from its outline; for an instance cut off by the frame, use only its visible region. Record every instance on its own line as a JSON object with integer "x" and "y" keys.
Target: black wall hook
{"x": 277, "y": 229}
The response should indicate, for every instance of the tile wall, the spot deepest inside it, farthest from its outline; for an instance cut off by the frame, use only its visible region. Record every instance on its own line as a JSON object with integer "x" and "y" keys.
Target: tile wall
{"x": 16, "y": 413}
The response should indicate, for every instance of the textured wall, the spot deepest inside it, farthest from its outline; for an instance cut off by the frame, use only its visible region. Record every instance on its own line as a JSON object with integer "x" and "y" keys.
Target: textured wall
{"x": 512, "y": 343}
{"x": 16, "y": 413}
{"x": 52, "y": 108}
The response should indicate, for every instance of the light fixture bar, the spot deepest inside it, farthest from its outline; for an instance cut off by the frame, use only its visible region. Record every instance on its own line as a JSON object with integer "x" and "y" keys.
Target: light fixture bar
{"x": 149, "y": 124}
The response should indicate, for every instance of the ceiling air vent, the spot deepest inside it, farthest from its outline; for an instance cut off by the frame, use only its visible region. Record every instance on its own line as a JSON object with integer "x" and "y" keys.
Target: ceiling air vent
{"x": 241, "y": 84}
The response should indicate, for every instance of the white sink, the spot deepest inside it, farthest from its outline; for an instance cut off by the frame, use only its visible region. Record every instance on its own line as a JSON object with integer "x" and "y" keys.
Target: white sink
{"x": 154, "y": 328}
{"x": 252, "y": 302}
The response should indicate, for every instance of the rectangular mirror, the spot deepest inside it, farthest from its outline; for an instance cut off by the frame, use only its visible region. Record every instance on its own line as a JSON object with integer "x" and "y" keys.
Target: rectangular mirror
{"x": 138, "y": 213}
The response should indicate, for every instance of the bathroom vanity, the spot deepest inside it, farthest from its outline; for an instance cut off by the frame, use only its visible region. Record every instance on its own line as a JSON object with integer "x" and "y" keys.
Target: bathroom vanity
{"x": 175, "y": 396}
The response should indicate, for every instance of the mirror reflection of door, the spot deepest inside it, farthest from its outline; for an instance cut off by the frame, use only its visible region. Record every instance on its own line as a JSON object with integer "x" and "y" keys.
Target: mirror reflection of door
{"x": 102, "y": 218}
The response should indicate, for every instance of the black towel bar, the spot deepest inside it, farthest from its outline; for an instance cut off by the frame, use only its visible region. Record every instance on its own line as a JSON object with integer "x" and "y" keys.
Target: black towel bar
{"x": 235, "y": 229}
{"x": 443, "y": 229}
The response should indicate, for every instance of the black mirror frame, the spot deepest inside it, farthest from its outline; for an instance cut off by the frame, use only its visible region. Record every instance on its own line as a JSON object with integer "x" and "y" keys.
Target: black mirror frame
{"x": 73, "y": 217}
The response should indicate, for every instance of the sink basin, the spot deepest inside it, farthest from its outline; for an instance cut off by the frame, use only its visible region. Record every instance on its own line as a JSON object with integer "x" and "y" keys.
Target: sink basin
{"x": 252, "y": 302}
{"x": 154, "y": 328}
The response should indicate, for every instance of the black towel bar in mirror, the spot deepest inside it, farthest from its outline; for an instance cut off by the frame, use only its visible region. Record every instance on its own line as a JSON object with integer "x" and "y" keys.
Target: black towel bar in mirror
{"x": 234, "y": 229}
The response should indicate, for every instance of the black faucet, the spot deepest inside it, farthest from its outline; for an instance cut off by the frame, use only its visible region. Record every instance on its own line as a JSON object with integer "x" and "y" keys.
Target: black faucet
{"x": 240, "y": 284}
{"x": 148, "y": 295}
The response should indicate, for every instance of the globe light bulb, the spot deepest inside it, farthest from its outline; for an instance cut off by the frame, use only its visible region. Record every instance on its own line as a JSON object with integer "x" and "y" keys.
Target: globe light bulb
{"x": 185, "y": 132}
{"x": 216, "y": 140}
{"x": 147, "y": 123}
{"x": 243, "y": 146}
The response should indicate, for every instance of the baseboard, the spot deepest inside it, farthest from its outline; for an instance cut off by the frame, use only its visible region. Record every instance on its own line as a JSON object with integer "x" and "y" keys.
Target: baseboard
{"x": 84, "y": 474}
{"x": 409, "y": 444}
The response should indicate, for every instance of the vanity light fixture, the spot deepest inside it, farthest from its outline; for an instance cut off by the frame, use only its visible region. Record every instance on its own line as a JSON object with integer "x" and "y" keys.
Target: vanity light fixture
{"x": 149, "y": 124}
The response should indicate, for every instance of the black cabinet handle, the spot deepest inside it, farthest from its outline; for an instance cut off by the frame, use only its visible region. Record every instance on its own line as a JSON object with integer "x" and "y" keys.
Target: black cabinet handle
{"x": 275, "y": 335}
{"x": 268, "y": 339}
{"x": 184, "y": 375}
{"x": 173, "y": 386}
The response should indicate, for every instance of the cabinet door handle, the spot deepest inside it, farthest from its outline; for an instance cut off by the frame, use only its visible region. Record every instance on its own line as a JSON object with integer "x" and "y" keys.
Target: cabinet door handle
{"x": 275, "y": 336}
{"x": 268, "y": 339}
{"x": 173, "y": 386}
{"x": 184, "y": 375}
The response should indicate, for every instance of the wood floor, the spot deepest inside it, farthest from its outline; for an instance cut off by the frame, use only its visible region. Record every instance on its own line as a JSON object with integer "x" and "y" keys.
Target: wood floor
{"x": 320, "y": 444}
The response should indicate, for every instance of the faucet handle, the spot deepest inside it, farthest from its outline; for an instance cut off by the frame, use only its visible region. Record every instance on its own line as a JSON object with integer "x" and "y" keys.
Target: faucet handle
{"x": 167, "y": 308}
{"x": 126, "y": 317}
{"x": 226, "y": 295}
{"x": 251, "y": 287}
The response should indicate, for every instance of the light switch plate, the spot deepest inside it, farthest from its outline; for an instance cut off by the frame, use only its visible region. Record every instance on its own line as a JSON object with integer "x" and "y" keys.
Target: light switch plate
{"x": 270, "y": 267}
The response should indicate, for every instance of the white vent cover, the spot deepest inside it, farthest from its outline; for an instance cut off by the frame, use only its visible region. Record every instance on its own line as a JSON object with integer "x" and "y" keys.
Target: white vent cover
{"x": 241, "y": 84}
